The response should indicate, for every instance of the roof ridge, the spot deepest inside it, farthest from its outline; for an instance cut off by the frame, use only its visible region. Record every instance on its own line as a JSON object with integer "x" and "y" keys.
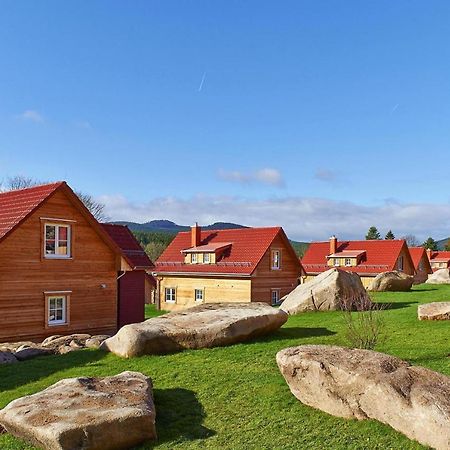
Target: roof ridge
{"x": 37, "y": 186}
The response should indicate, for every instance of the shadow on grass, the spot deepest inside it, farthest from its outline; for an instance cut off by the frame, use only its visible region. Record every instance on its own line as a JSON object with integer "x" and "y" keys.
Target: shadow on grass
{"x": 293, "y": 333}
{"x": 395, "y": 305}
{"x": 18, "y": 374}
{"x": 179, "y": 416}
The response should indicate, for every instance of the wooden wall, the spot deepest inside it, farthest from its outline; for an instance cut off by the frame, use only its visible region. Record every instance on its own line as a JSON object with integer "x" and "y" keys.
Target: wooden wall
{"x": 264, "y": 279}
{"x": 25, "y": 275}
{"x": 215, "y": 290}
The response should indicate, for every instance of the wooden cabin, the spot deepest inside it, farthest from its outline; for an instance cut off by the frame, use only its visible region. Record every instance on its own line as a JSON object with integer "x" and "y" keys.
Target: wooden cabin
{"x": 58, "y": 267}
{"x": 366, "y": 258}
{"x": 438, "y": 259}
{"x": 237, "y": 265}
{"x": 421, "y": 263}
{"x": 134, "y": 283}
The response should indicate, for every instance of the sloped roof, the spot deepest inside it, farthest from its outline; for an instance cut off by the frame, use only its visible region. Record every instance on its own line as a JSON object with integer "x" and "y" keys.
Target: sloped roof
{"x": 440, "y": 256}
{"x": 248, "y": 246}
{"x": 16, "y": 206}
{"x": 128, "y": 244}
{"x": 380, "y": 255}
{"x": 417, "y": 254}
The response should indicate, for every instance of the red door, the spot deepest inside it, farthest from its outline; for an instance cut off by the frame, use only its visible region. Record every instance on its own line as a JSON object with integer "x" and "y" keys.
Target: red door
{"x": 131, "y": 297}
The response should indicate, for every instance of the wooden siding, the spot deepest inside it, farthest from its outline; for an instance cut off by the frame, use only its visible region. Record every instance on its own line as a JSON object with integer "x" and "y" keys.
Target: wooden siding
{"x": 216, "y": 290}
{"x": 25, "y": 275}
{"x": 265, "y": 279}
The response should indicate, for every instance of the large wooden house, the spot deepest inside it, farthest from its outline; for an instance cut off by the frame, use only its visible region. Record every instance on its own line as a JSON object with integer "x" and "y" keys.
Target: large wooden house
{"x": 366, "y": 258}
{"x": 236, "y": 265}
{"x": 58, "y": 267}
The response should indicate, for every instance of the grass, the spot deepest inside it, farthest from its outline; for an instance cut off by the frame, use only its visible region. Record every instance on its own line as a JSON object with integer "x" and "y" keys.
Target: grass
{"x": 235, "y": 398}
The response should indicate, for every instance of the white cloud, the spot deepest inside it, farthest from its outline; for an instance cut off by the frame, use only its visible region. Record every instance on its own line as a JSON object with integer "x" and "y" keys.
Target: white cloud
{"x": 268, "y": 176}
{"x": 31, "y": 115}
{"x": 302, "y": 218}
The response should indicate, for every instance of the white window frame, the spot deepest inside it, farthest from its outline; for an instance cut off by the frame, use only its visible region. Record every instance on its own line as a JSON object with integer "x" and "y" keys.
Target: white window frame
{"x": 206, "y": 258}
{"x": 170, "y": 295}
{"x": 272, "y": 292}
{"x": 337, "y": 262}
{"x": 400, "y": 265}
{"x": 348, "y": 262}
{"x": 273, "y": 264}
{"x": 56, "y": 255}
{"x": 62, "y": 321}
{"x": 202, "y": 292}
{"x": 194, "y": 258}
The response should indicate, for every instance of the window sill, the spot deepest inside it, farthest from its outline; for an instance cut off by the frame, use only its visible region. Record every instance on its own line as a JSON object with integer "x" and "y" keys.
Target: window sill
{"x": 58, "y": 257}
{"x": 60, "y": 324}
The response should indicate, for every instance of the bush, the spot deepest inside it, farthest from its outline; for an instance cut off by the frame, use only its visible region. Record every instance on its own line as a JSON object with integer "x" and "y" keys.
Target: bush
{"x": 364, "y": 322}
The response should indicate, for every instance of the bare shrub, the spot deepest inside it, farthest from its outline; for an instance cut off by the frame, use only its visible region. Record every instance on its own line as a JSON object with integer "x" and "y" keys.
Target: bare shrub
{"x": 364, "y": 322}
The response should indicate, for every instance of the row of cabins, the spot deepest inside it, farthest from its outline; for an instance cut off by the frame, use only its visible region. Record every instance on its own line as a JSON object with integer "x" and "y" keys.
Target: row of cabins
{"x": 62, "y": 272}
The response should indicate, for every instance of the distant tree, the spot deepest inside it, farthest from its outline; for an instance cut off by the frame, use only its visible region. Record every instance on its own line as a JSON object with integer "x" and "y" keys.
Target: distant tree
{"x": 96, "y": 208}
{"x": 16, "y": 182}
{"x": 447, "y": 246}
{"x": 373, "y": 234}
{"x": 411, "y": 240}
{"x": 430, "y": 243}
{"x": 154, "y": 250}
{"x": 389, "y": 236}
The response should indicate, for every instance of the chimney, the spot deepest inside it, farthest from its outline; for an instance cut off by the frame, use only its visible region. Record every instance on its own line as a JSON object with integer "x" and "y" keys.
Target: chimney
{"x": 429, "y": 253}
{"x": 333, "y": 244}
{"x": 195, "y": 235}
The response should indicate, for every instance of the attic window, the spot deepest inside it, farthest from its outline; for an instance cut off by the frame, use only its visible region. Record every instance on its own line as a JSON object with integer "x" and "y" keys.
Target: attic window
{"x": 57, "y": 240}
{"x": 206, "y": 258}
{"x": 276, "y": 259}
{"x": 194, "y": 258}
{"x": 348, "y": 262}
{"x": 400, "y": 263}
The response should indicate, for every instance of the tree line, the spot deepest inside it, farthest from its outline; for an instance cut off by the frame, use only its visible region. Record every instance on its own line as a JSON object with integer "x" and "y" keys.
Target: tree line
{"x": 411, "y": 240}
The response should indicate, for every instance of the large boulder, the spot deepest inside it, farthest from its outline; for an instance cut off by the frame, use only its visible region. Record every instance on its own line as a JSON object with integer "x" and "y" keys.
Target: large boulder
{"x": 331, "y": 290}
{"x": 85, "y": 413}
{"x": 434, "y": 311}
{"x": 26, "y": 353}
{"x": 208, "y": 325}
{"x": 441, "y": 276}
{"x": 364, "y": 384}
{"x": 392, "y": 281}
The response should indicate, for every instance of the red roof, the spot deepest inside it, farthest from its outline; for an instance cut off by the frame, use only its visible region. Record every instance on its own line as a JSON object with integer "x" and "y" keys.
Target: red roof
{"x": 441, "y": 256}
{"x": 16, "y": 206}
{"x": 128, "y": 244}
{"x": 248, "y": 246}
{"x": 380, "y": 256}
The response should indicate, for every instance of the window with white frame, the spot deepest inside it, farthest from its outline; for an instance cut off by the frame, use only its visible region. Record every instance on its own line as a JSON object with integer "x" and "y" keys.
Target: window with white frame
{"x": 206, "y": 258}
{"x": 276, "y": 259}
{"x": 275, "y": 294}
{"x": 198, "y": 295}
{"x": 348, "y": 262}
{"x": 170, "y": 295}
{"x": 400, "y": 263}
{"x": 194, "y": 258}
{"x": 57, "y": 309}
{"x": 56, "y": 241}
{"x": 337, "y": 262}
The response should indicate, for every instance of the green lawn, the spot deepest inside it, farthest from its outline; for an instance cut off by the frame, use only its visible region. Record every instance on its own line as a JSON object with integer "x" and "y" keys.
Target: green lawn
{"x": 235, "y": 397}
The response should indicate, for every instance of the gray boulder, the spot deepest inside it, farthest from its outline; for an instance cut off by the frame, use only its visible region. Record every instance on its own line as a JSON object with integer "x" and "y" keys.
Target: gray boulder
{"x": 85, "y": 413}
{"x": 207, "y": 325}
{"x": 32, "y": 352}
{"x": 441, "y": 276}
{"x": 331, "y": 290}
{"x": 96, "y": 341}
{"x": 392, "y": 281}
{"x": 434, "y": 311}
{"x": 364, "y": 384}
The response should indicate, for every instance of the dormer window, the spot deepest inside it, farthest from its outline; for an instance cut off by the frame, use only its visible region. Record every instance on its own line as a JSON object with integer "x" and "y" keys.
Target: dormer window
{"x": 194, "y": 258}
{"x": 337, "y": 262}
{"x": 206, "y": 258}
{"x": 348, "y": 262}
{"x": 276, "y": 259}
{"x": 57, "y": 241}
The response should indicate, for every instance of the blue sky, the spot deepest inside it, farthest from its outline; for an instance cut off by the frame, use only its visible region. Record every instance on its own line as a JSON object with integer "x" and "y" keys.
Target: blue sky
{"x": 321, "y": 116}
